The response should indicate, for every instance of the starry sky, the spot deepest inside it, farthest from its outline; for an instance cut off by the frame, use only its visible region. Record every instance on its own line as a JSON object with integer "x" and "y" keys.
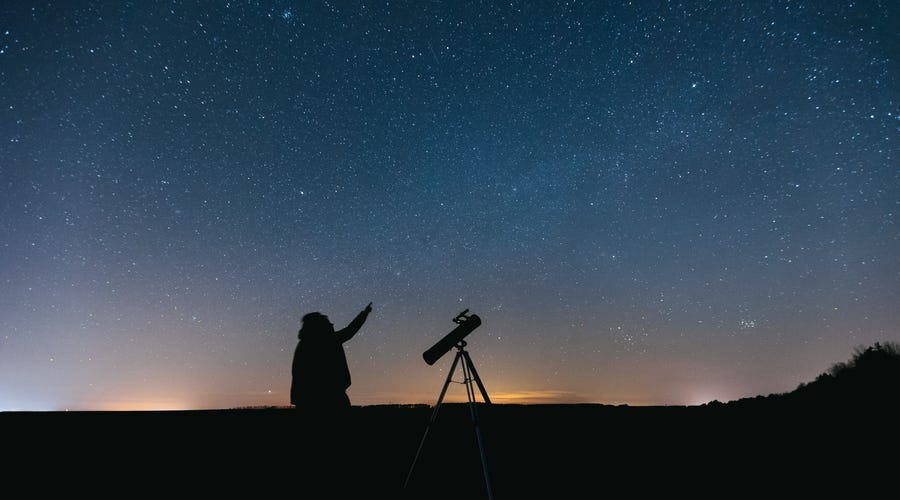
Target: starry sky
{"x": 645, "y": 202}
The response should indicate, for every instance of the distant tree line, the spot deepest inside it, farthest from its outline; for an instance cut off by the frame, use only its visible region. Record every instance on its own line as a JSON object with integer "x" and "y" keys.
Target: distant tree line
{"x": 870, "y": 380}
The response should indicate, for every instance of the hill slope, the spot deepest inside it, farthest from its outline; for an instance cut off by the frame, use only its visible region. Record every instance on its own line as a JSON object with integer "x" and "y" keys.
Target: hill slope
{"x": 870, "y": 380}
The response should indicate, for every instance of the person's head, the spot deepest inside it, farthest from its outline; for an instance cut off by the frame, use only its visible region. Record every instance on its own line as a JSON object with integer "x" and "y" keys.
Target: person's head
{"x": 315, "y": 324}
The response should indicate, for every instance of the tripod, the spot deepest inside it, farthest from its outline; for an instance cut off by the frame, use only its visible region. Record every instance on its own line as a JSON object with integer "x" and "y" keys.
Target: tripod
{"x": 470, "y": 375}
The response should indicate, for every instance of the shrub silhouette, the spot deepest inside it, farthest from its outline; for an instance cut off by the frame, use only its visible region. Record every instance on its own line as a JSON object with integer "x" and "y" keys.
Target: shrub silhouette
{"x": 867, "y": 358}
{"x": 870, "y": 378}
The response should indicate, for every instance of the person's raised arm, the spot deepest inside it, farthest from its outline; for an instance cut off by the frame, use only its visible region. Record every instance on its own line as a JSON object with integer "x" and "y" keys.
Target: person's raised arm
{"x": 354, "y": 326}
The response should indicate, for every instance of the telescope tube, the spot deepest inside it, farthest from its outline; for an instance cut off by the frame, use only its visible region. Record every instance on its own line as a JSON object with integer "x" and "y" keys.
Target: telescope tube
{"x": 451, "y": 339}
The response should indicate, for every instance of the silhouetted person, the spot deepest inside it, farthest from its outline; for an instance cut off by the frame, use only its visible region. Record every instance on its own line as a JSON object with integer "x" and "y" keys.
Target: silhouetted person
{"x": 320, "y": 373}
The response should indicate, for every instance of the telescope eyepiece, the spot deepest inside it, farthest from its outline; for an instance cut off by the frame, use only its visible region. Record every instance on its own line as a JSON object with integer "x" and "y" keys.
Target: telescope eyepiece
{"x": 461, "y": 317}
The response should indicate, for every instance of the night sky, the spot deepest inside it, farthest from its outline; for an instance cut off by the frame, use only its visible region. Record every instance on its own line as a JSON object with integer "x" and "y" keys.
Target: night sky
{"x": 651, "y": 203}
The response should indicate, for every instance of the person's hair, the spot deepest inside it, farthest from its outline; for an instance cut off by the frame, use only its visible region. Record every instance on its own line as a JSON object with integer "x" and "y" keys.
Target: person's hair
{"x": 311, "y": 322}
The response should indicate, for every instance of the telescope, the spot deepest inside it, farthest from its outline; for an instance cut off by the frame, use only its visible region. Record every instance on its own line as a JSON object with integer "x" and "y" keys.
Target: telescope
{"x": 466, "y": 323}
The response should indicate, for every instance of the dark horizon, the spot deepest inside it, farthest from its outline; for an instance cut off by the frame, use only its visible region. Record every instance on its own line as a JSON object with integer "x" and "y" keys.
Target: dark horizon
{"x": 871, "y": 389}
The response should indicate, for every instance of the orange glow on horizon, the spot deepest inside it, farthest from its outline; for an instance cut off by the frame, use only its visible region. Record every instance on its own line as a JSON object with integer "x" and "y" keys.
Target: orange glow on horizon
{"x": 142, "y": 405}
{"x": 536, "y": 397}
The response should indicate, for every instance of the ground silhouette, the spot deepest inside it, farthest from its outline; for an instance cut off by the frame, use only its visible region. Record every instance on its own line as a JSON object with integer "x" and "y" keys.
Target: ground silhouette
{"x": 831, "y": 434}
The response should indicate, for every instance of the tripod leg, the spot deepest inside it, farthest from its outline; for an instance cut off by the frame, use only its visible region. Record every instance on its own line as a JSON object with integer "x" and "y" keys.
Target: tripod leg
{"x": 433, "y": 417}
{"x": 470, "y": 391}
{"x": 446, "y": 384}
{"x": 484, "y": 393}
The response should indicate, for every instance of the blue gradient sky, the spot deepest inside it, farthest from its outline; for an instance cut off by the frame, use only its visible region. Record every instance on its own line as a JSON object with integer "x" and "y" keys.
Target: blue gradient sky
{"x": 656, "y": 203}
